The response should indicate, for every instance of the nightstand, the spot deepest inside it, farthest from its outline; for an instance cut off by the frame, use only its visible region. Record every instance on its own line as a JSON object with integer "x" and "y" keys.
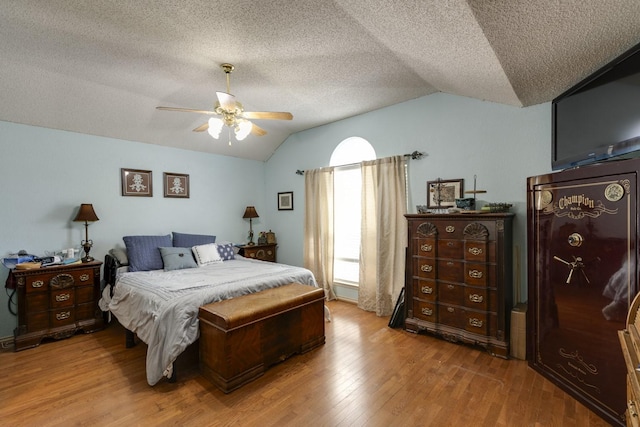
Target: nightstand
{"x": 56, "y": 302}
{"x": 262, "y": 252}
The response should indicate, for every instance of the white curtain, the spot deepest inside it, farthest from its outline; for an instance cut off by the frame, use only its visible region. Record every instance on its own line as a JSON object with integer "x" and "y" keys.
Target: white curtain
{"x": 318, "y": 227}
{"x": 384, "y": 234}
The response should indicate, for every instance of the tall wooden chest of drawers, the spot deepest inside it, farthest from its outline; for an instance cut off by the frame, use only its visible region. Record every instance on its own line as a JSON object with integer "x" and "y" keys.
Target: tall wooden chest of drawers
{"x": 459, "y": 278}
{"x": 56, "y": 302}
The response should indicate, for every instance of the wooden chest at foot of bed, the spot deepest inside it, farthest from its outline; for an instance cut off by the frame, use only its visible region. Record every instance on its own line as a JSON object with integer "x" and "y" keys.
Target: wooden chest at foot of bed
{"x": 241, "y": 337}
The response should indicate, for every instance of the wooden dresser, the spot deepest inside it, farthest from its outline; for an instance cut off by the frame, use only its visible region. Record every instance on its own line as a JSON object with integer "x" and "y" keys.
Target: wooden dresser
{"x": 630, "y": 342}
{"x": 459, "y": 278}
{"x": 56, "y": 302}
{"x": 266, "y": 252}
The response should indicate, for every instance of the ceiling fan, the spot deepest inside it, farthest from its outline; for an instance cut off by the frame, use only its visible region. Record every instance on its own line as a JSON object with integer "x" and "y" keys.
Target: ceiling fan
{"x": 230, "y": 113}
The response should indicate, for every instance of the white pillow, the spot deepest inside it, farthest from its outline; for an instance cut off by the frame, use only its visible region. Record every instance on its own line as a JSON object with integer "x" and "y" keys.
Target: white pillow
{"x": 206, "y": 254}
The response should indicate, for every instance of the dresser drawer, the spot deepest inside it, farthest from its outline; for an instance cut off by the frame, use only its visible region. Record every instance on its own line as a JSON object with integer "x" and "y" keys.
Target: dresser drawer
{"x": 425, "y": 310}
{"x": 476, "y": 274}
{"x": 85, "y": 311}
{"x": 424, "y": 267}
{"x": 39, "y": 283}
{"x": 84, "y": 294}
{"x": 450, "y": 270}
{"x": 448, "y": 248}
{"x": 450, "y": 293}
{"x": 62, "y": 316}
{"x": 62, "y": 298}
{"x": 451, "y": 315}
{"x": 426, "y": 247}
{"x": 476, "y": 322}
{"x": 37, "y": 301}
{"x": 475, "y": 250}
{"x": 37, "y": 321}
{"x": 476, "y": 298}
{"x": 424, "y": 289}
{"x": 451, "y": 229}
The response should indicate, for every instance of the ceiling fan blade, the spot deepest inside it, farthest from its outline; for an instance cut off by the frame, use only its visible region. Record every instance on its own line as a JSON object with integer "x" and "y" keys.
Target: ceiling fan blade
{"x": 226, "y": 100}
{"x": 202, "y": 128}
{"x": 185, "y": 110}
{"x": 267, "y": 115}
{"x": 257, "y": 130}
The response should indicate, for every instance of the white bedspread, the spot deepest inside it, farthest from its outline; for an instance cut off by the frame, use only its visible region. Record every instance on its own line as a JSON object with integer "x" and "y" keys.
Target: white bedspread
{"x": 162, "y": 307}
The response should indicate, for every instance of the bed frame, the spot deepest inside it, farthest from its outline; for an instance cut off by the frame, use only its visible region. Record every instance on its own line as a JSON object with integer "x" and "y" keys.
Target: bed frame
{"x": 111, "y": 265}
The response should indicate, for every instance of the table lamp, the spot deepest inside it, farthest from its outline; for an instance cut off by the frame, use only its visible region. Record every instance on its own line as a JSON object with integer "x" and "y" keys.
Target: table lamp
{"x": 86, "y": 214}
{"x": 250, "y": 212}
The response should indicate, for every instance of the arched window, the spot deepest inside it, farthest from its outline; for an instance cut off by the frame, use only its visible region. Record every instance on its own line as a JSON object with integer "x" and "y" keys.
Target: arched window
{"x": 347, "y": 183}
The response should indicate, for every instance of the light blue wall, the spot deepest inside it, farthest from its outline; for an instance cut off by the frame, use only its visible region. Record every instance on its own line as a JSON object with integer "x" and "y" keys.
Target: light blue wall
{"x": 46, "y": 174}
{"x": 462, "y": 137}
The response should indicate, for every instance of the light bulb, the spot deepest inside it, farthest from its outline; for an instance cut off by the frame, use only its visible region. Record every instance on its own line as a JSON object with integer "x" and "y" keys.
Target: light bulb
{"x": 215, "y": 126}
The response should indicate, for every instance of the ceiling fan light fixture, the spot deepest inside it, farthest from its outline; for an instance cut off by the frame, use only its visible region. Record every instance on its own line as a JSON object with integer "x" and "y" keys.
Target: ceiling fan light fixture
{"x": 243, "y": 129}
{"x": 215, "y": 127}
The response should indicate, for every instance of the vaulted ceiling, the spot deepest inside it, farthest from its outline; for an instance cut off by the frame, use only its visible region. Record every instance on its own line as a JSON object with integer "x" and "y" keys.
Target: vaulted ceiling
{"x": 101, "y": 67}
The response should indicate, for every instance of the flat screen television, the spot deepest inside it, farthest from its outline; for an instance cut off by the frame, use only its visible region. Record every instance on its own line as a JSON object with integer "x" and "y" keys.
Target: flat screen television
{"x": 599, "y": 118}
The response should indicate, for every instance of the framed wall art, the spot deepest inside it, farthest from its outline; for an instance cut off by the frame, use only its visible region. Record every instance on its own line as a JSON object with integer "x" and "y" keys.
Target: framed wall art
{"x": 136, "y": 182}
{"x": 443, "y": 193}
{"x": 285, "y": 201}
{"x": 176, "y": 185}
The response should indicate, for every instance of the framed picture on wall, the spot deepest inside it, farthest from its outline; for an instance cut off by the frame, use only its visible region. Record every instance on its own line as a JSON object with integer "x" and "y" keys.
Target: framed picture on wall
{"x": 136, "y": 182}
{"x": 176, "y": 185}
{"x": 285, "y": 201}
{"x": 443, "y": 193}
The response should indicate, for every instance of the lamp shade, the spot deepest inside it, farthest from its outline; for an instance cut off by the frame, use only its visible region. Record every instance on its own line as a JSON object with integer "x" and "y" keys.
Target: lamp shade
{"x": 250, "y": 212}
{"x": 243, "y": 129}
{"x": 86, "y": 213}
{"x": 215, "y": 127}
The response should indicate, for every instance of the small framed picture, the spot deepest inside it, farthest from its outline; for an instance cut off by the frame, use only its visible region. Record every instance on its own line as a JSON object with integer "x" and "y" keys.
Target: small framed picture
{"x": 176, "y": 185}
{"x": 443, "y": 193}
{"x": 285, "y": 201}
{"x": 136, "y": 182}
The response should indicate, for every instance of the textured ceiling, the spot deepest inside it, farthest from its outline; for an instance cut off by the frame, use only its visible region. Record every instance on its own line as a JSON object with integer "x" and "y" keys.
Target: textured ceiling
{"x": 101, "y": 67}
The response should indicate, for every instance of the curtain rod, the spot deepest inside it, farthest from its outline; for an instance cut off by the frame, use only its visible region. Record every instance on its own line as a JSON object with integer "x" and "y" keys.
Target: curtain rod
{"x": 416, "y": 155}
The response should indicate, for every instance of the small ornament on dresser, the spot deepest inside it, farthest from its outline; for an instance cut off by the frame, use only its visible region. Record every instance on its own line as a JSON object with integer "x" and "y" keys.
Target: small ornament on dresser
{"x": 262, "y": 238}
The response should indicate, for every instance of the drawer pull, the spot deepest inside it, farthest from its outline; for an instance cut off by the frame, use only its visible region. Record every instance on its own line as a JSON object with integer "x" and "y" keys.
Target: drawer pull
{"x": 427, "y": 311}
{"x": 84, "y": 277}
{"x": 476, "y": 323}
{"x": 449, "y": 229}
{"x": 476, "y": 298}
{"x": 426, "y": 290}
{"x": 64, "y": 315}
{"x": 37, "y": 284}
{"x": 426, "y": 247}
{"x": 450, "y": 263}
{"x": 426, "y": 268}
{"x": 475, "y": 251}
{"x": 476, "y": 274}
{"x": 450, "y": 244}
{"x": 63, "y": 297}
{"x": 451, "y": 287}
{"x": 450, "y": 309}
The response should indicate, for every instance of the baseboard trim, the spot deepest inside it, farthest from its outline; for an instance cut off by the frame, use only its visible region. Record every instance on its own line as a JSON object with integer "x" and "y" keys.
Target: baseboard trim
{"x": 6, "y": 344}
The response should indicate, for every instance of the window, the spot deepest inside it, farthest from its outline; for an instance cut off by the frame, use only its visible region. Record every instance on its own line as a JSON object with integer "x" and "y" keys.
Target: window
{"x": 347, "y": 184}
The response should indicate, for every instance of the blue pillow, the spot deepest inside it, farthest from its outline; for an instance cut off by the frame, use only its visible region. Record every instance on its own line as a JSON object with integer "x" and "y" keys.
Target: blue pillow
{"x": 177, "y": 258}
{"x": 143, "y": 251}
{"x": 226, "y": 251}
{"x": 182, "y": 240}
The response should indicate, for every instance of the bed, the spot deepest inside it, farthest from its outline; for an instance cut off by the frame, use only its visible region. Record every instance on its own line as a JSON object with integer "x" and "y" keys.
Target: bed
{"x": 161, "y": 305}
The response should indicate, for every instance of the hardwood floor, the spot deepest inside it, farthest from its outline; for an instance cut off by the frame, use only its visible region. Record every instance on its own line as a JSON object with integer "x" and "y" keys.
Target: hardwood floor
{"x": 366, "y": 374}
